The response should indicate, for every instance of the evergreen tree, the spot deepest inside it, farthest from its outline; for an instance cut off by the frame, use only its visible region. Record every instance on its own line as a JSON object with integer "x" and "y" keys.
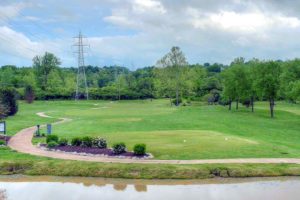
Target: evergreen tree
{"x": 9, "y": 100}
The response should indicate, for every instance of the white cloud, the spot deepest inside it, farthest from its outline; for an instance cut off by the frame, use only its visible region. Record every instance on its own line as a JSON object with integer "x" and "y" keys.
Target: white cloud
{"x": 141, "y": 31}
{"x": 141, "y": 6}
{"x": 243, "y": 22}
{"x": 12, "y": 10}
{"x": 17, "y": 43}
{"x": 32, "y": 18}
{"x": 20, "y": 46}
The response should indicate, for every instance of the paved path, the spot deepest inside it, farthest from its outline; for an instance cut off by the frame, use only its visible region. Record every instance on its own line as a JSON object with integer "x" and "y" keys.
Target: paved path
{"x": 21, "y": 142}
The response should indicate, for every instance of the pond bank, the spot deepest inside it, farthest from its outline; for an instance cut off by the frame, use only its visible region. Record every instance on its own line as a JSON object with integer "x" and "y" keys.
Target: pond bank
{"x": 149, "y": 171}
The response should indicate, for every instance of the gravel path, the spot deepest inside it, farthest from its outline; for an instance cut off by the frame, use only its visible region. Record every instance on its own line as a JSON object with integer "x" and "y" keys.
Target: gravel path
{"x": 21, "y": 142}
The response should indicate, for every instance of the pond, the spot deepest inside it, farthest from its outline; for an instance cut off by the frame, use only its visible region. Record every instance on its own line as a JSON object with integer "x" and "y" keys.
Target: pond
{"x": 46, "y": 188}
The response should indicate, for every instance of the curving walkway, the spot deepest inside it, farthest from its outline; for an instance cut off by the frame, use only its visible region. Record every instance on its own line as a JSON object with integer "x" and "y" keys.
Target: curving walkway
{"x": 21, "y": 142}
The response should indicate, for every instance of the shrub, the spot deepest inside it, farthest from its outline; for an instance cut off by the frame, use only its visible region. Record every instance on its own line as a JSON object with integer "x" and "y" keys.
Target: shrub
{"x": 52, "y": 138}
{"x": 174, "y": 101}
{"x": 119, "y": 148}
{"x": 8, "y": 98}
{"x": 100, "y": 142}
{"x": 87, "y": 141}
{"x": 76, "y": 141}
{"x": 139, "y": 149}
{"x": 2, "y": 143}
{"x": 52, "y": 144}
{"x": 63, "y": 142}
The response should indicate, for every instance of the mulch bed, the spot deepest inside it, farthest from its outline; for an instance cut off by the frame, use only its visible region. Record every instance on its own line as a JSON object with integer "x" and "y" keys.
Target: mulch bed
{"x": 5, "y": 138}
{"x": 94, "y": 151}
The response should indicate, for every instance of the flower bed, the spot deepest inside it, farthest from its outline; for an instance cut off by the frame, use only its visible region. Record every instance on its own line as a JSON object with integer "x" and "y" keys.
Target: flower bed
{"x": 94, "y": 151}
{"x": 5, "y": 138}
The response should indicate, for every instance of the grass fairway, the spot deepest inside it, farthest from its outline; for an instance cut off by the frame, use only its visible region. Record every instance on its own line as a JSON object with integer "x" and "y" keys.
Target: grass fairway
{"x": 192, "y": 132}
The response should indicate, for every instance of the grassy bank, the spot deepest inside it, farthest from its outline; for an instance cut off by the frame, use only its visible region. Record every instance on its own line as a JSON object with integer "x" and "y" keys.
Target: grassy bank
{"x": 134, "y": 171}
{"x": 17, "y": 163}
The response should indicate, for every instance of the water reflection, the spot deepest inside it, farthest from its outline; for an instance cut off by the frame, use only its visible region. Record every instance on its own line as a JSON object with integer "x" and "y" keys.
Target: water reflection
{"x": 140, "y": 188}
{"x": 46, "y": 188}
{"x": 120, "y": 187}
{"x": 3, "y": 195}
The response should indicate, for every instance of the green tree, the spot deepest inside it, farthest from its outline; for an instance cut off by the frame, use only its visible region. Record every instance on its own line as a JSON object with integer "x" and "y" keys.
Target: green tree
{"x": 8, "y": 76}
{"x": 295, "y": 91}
{"x": 267, "y": 81}
{"x": 197, "y": 81}
{"x": 173, "y": 66}
{"x": 229, "y": 90}
{"x": 43, "y": 66}
{"x": 251, "y": 90}
{"x": 289, "y": 80}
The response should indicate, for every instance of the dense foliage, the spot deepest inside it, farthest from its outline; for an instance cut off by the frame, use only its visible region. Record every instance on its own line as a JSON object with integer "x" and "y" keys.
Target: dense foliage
{"x": 139, "y": 149}
{"x": 52, "y": 138}
{"x": 8, "y": 102}
{"x": 2, "y": 143}
{"x": 99, "y": 142}
{"x": 77, "y": 141}
{"x": 52, "y": 144}
{"x": 119, "y": 148}
{"x": 87, "y": 141}
{"x": 172, "y": 77}
{"x": 63, "y": 142}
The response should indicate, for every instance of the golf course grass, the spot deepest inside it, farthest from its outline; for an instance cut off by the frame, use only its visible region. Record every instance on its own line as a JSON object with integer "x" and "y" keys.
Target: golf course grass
{"x": 198, "y": 131}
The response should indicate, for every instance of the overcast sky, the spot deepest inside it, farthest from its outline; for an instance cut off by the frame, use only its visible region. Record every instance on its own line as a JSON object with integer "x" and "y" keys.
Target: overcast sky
{"x": 136, "y": 33}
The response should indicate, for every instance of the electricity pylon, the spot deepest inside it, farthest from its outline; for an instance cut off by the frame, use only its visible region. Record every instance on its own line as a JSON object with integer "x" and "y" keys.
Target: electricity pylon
{"x": 81, "y": 83}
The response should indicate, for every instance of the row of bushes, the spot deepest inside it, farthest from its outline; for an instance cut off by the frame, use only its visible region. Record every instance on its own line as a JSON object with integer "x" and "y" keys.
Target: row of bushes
{"x": 104, "y": 93}
{"x": 118, "y": 148}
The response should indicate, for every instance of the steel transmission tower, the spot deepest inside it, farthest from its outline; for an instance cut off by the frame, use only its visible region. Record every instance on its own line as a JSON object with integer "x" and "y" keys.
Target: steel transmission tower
{"x": 81, "y": 85}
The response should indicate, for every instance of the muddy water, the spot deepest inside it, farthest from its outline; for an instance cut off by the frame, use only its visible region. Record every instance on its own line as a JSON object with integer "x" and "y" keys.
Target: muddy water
{"x": 46, "y": 188}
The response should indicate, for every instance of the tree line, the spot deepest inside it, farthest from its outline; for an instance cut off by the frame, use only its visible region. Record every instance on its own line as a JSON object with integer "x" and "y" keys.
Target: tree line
{"x": 242, "y": 82}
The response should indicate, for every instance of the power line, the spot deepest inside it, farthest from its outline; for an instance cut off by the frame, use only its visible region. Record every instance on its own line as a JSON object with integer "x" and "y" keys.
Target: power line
{"x": 9, "y": 40}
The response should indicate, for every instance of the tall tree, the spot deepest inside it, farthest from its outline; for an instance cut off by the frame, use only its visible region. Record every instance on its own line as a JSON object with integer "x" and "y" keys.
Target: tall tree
{"x": 43, "y": 66}
{"x": 239, "y": 74}
{"x": 251, "y": 90}
{"x": 173, "y": 66}
{"x": 290, "y": 80}
{"x": 229, "y": 90}
{"x": 267, "y": 81}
